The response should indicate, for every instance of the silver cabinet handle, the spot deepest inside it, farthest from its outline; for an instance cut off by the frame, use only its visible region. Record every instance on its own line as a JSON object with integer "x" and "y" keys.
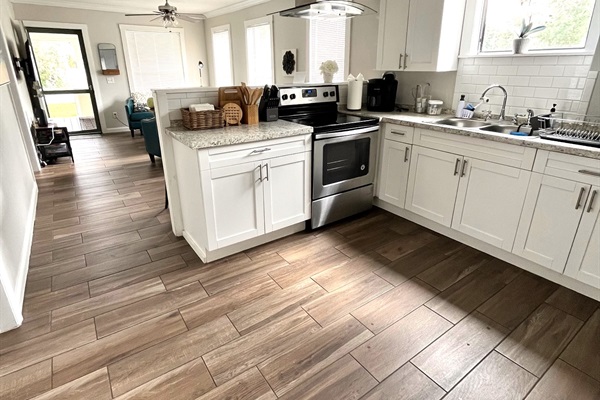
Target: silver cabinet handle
{"x": 589, "y": 209}
{"x": 578, "y": 204}
{"x": 260, "y": 151}
{"x": 260, "y": 179}
{"x": 588, "y": 172}
{"x": 463, "y": 170}
{"x": 406, "y": 153}
{"x": 398, "y": 133}
{"x": 405, "y": 59}
{"x": 267, "y": 166}
{"x": 400, "y": 62}
{"x": 456, "y": 166}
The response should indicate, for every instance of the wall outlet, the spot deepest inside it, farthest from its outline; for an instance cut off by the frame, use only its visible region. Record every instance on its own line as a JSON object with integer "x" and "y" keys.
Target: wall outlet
{"x": 115, "y": 116}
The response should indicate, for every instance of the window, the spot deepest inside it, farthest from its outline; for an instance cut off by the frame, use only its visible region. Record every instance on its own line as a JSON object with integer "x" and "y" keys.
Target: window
{"x": 328, "y": 40}
{"x": 567, "y": 24}
{"x": 259, "y": 51}
{"x": 223, "y": 69}
{"x": 155, "y": 57}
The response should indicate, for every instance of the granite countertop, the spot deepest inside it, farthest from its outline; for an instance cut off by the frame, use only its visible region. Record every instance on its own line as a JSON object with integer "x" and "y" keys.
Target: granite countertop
{"x": 427, "y": 122}
{"x": 201, "y": 139}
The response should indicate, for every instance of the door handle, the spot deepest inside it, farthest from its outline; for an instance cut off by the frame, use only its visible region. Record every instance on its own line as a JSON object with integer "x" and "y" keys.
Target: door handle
{"x": 260, "y": 151}
{"x": 589, "y": 209}
{"x": 463, "y": 170}
{"x": 267, "y": 167}
{"x": 406, "y": 153}
{"x": 405, "y": 59}
{"x": 261, "y": 176}
{"x": 400, "y": 62}
{"x": 456, "y": 166}
{"x": 581, "y": 193}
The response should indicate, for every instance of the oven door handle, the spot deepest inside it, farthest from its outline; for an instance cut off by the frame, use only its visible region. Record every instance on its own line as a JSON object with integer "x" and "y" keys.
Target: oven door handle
{"x": 352, "y": 132}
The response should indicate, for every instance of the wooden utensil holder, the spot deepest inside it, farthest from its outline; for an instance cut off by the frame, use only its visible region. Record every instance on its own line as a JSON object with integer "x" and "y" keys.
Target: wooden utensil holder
{"x": 250, "y": 116}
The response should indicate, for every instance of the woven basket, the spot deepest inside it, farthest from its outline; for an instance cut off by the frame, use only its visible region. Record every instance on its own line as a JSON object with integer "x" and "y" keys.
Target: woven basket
{"x": 202, "y": 119}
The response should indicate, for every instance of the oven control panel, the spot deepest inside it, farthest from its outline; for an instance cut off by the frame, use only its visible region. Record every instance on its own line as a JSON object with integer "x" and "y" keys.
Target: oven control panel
{"x": 298, "y": 95}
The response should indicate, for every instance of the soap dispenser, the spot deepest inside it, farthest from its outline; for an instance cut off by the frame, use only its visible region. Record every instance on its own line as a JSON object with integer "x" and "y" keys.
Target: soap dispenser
{"x": 461, "y": 105}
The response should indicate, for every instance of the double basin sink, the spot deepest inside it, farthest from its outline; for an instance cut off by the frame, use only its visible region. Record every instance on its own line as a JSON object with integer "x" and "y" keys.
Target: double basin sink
{"x": 485, "y": 126}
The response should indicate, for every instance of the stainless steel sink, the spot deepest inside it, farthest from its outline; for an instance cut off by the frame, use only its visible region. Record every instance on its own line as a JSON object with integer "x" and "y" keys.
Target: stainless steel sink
{"x": 505, "y": 129}
{"x": 462, "y": 123}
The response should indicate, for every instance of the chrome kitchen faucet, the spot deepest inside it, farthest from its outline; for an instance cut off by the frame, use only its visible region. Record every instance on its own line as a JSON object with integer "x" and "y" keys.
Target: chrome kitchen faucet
{"x": 502, "y": 116}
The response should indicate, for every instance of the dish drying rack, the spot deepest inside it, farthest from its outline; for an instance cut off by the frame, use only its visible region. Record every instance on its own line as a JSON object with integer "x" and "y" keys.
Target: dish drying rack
{"x": 576, "y": 129}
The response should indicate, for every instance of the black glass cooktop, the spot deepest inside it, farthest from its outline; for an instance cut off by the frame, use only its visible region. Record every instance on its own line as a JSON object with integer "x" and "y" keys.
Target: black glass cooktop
{"x": 333, "y": 122}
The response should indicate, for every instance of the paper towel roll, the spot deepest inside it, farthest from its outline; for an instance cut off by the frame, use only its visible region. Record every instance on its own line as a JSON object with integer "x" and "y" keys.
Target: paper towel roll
{"x": 355, "y": 89}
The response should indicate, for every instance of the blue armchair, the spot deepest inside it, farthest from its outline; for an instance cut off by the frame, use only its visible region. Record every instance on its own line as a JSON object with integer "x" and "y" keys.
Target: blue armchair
{"x": 134, "y": 118}
{"x": 150, "y": 132}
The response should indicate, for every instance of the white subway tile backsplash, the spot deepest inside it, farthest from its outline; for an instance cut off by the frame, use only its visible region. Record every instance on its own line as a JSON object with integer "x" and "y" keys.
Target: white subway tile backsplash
{"x": 467, "y": 61}
{"x": 581, "y": 83}
{"x": 565, "y": 82}
{"x": 550, "y": 60}
{"x": 500, "y": 80}
{"x": 588, "y": 60}
{"x": 522, "y": 60}
{"x": 518, "y": 80}
{"x": 467, "y": 88}
{"x": 481, "y": 79}
{"x": 483, "y": 61}
{"x": 586, "y": 95}
{"x": 514, "y": 101}
{"x": 525, "y": 91}
{"x": 528, "y": 70}
{"x": 561, "y": 105}
{"x": 570, "y": 94}
{"x": 461, "y": 79}
{"x": 470, "y": 70}
{"x": 501, "y": 61}
{"x": 187, "y": 102}
{"x": 552, "y": 70}
{"x": 480, "y": 88}
{"x": 176, "y": 96}
{"x": 546, "y": 93}
{"x": 541, "y": 81}
{"x": 577, "y": 70}
{"x": 533, "y": 102}
{"x": 592, "y": 74}
{"x": 507, "y": 70}
{"x": 174, "y": 104}
{"x": 488, "y": 70}
{"x": 571, "y": 60}
{"x": 583, "y": 107}
{"x": 174, "y": 115}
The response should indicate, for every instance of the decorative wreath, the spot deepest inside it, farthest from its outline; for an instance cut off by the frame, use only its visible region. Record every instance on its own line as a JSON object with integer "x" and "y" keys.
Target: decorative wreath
{"x": 289, "y": 62}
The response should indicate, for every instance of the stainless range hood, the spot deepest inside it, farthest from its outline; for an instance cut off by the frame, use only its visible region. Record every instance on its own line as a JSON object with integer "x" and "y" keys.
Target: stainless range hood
{"x": 322, "y": 9}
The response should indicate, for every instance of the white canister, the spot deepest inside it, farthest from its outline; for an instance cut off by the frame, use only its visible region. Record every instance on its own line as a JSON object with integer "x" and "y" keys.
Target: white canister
{"x": 355, "y": 89}
{"x": 434, "y": 107}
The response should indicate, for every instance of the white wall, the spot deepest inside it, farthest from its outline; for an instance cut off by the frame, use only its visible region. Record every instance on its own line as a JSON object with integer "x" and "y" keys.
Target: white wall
{"x": 103, "y": 27}
{"x": 18, "y": 199}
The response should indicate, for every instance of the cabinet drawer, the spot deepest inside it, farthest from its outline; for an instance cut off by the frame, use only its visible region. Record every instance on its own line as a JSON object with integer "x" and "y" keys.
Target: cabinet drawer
{"x": 487, "y": 150}
{"x": 399, "y": 133}
{"x": 580, "y": 169}
{"x": 224, "y": 156}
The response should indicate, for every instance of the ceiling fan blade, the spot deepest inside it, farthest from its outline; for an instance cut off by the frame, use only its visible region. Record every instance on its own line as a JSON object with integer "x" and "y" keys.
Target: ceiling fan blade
{"x": 138, "y": 15}
{"x": 192, "y": 15}
{"x": 188, "y": 19}
{"x": 154, "y": 19}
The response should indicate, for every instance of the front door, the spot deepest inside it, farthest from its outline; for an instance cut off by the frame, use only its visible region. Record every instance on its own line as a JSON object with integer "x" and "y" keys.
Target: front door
{"x": 64, "y": 79}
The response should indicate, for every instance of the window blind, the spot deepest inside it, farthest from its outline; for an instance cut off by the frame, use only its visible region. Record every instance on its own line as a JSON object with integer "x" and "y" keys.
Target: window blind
{"x": 327, "y": 42}
{"x": 222, "y": 57}
{"x": 259, "y": 53}
{"x": 155, "y": 60}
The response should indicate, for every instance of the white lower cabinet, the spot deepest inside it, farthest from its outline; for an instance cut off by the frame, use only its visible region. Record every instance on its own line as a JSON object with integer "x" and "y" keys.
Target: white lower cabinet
{"x": 560, "y": 227}
{"x": 432, "y": 184}
{"x": 251, "y": 199}
{"x": 489, "y": 201}
{"x": 395, "y": 165}
{"x": 584, "y": 261}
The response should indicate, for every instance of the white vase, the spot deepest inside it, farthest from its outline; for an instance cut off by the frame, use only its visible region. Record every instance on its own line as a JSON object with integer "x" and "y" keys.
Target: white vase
{"x": 520, "y": 45}
{"x": 327, "y": 77}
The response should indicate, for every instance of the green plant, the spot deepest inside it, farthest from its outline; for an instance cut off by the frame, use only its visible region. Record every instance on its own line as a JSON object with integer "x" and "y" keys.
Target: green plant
{"x": 528, "y": 29}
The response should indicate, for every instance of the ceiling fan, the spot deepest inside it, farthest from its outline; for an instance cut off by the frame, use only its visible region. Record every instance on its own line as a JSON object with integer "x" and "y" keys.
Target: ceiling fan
{"x": 169, "y": 15}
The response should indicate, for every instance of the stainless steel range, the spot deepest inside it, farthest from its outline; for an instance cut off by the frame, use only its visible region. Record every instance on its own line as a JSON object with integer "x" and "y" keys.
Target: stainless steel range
{"x": 344, "y": 152}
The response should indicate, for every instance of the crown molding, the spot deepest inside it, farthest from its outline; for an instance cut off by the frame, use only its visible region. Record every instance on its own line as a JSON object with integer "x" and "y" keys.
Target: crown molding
{"x": 124, "y": 7}
{"x": 234, "y": 7}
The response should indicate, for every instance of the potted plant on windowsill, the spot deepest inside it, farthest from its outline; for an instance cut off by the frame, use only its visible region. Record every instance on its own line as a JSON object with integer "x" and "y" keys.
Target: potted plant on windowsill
{"x": 521, "y": 43}
{"x": 328, "y": 69}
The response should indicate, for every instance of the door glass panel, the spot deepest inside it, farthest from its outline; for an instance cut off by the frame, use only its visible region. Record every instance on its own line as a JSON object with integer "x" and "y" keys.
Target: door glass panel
{"x": 345, "y": 160}
{"x": 59, "y": 61}
{"x": 73, "y": 111}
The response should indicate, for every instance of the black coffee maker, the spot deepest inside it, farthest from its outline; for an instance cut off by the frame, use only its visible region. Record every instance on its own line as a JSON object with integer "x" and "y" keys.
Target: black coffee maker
{"x": 381, "y": 93}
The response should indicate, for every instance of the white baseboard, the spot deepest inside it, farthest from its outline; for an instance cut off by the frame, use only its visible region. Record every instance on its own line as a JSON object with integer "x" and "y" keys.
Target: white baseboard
{"x": 124, "y": 129}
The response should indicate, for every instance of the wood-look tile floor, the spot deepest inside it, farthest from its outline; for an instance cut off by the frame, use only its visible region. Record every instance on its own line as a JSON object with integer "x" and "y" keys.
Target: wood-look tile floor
{"x": 374, "y": 307}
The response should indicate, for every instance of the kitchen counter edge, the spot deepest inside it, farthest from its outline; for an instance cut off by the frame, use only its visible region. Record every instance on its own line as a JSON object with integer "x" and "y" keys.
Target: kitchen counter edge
{"x": 207, "y": 138}
{"x": 425, "y": 121}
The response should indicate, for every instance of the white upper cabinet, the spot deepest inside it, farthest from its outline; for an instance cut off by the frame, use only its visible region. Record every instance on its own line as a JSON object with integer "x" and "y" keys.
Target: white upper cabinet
{"x": 419, "y": 35}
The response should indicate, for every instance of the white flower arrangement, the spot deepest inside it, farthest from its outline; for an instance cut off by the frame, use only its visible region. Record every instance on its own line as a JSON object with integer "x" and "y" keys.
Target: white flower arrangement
{"x": 329, "y": 67}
